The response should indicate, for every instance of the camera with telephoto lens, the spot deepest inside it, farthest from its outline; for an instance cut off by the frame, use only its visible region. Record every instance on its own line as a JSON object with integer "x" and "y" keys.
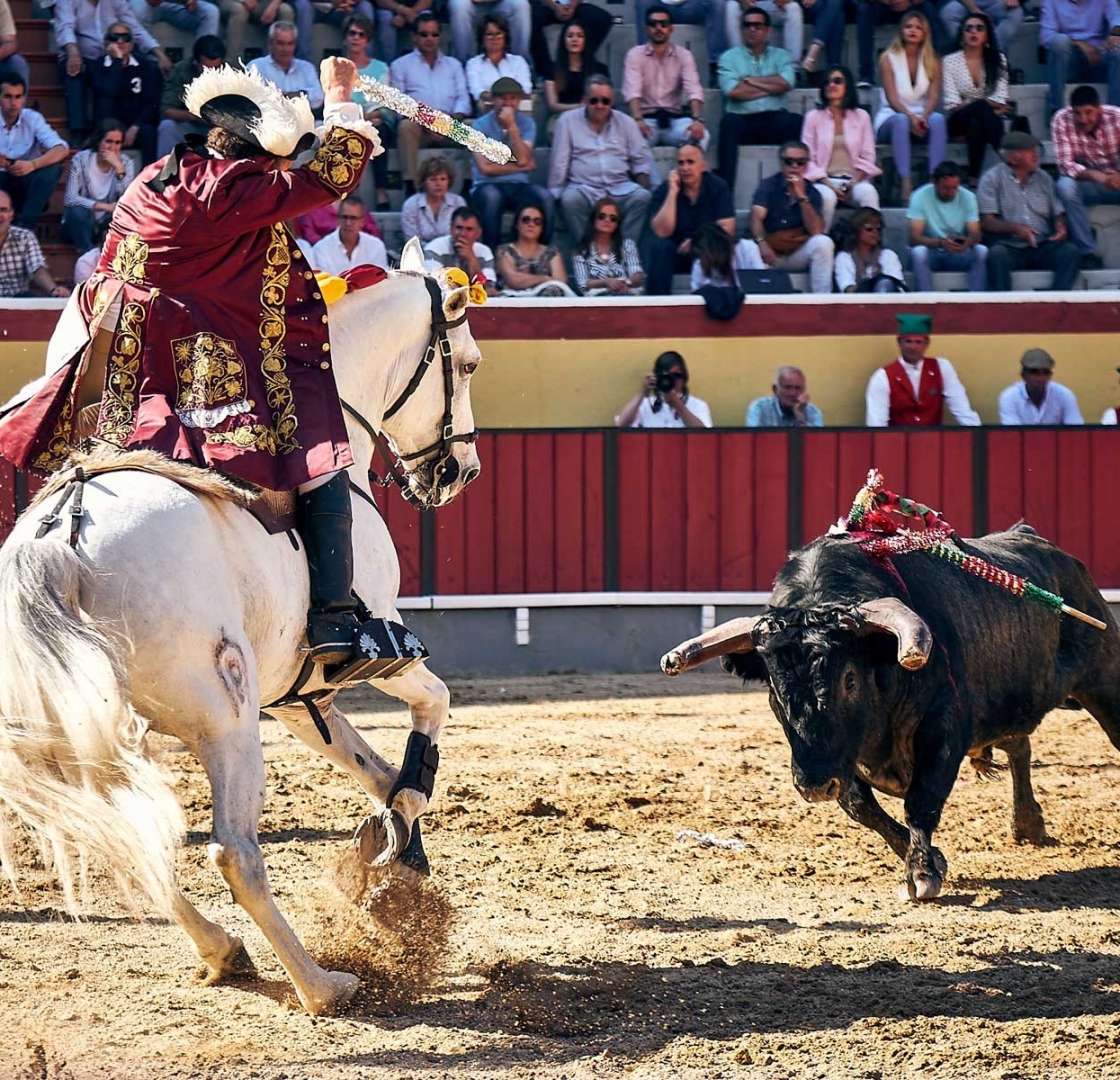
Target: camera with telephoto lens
{"x": 666, "y": 381}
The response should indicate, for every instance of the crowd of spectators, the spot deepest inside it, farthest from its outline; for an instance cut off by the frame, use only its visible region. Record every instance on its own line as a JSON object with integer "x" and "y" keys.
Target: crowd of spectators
{"x": 945, "y": 76}
{"x": 914, "y": 390}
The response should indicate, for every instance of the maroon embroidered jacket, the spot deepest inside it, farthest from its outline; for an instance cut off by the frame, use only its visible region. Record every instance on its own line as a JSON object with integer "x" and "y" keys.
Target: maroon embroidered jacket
{"x": 221, "y": 353}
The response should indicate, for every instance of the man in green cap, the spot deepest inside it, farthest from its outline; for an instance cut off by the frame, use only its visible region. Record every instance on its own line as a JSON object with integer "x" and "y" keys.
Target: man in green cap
{"x": 913, "y": 391}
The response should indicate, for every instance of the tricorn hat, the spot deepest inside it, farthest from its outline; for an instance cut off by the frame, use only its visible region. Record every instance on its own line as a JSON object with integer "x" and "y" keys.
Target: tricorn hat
{"x": 914, "y": 324}
{"x": 242, "y": 102}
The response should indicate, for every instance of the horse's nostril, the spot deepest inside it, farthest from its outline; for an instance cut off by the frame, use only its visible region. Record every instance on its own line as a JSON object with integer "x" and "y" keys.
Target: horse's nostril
{"x": 450, "y": 473}
{"x": 469, "y": 475}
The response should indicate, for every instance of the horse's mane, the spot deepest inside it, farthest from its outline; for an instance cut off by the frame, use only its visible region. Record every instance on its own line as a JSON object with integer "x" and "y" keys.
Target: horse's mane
{"x": 104, "y": 458}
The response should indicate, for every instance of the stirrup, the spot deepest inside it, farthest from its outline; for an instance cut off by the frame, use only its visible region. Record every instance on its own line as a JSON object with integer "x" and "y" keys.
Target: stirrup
{"x": 379, "y": 649}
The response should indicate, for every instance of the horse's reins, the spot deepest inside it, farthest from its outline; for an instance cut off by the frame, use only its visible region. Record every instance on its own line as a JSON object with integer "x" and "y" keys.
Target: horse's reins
{"x": 439, "y": 451}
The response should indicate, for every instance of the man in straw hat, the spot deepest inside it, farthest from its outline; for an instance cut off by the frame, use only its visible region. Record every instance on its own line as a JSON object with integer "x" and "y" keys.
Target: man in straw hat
{"x": 913, "y": 391}
{"x": 210, "y": 324}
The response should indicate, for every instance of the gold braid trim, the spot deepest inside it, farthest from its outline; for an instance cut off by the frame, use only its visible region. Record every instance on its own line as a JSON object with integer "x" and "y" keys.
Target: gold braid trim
{"x": 118, "y": 405}
{"x": 131, "y": 259}
{"x": 280, "y": 438}
{"x": 340, "y": 160}
{"x": 61, "y": 444}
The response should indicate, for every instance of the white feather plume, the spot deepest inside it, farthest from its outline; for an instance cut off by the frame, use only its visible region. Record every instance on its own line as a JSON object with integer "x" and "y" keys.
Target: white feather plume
{"x": 283, "y": 121}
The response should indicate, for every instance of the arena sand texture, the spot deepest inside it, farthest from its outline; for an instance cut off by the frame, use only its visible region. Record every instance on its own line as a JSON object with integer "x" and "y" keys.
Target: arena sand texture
{"x": 569, "y": 933}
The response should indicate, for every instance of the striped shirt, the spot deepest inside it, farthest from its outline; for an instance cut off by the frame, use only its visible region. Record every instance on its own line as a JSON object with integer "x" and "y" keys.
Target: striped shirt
{"x": 1034, "y": 203}
{"x": 589, "y": 268}
{"x": 1078, "y": 150}
{"x": 20, "y": 257}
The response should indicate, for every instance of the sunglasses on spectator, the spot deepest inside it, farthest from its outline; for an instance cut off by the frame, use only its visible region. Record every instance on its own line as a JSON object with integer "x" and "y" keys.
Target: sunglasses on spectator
{"x": 1037, "y": 371}
{"x": 837, "y": 80}
{"x": 975, "y": 28}
{"x": 599, "y": 101}
{"x": 355, "y": 32}
{"x": 532, "y": 220}
{"x": 427, "y": 33}
{"x": 795, "y": 162}
{"x": 756, "y": 25}
{"x": 350, "y": 217}
{"x": 604, "y": 216}
{"x": 118, "y": 37}
{"x": 659, "y": 22}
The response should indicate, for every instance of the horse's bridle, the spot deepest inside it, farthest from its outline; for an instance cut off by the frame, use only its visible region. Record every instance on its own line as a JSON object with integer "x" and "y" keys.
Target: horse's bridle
{"x": 396, "y": 471}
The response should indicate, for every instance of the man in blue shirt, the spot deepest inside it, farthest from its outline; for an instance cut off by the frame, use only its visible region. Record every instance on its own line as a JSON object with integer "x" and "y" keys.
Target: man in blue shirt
{"x": 1037, "y": 399}
{"x": 788, "y": 405}
{"x": 945, "y": 231}
{"x": 495, "y": 187}
{"x": 1082, "y": 43}
{"x": 31, "y": 153}
{"x": 755, "y": 79}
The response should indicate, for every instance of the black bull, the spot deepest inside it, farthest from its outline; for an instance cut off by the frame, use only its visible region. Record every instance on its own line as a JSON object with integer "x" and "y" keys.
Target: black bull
{"x": 887, "y": 674}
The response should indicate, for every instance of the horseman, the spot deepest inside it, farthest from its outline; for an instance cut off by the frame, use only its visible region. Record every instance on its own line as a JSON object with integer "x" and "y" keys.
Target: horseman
{"x": 210, "y": 327}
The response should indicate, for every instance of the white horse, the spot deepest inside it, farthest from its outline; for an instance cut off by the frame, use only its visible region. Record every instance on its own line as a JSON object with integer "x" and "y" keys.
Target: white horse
{"x": 177, "y": 613}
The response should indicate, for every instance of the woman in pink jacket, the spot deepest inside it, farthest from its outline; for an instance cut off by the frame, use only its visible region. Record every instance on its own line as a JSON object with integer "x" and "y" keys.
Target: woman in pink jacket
{"x": 841, "y": 146}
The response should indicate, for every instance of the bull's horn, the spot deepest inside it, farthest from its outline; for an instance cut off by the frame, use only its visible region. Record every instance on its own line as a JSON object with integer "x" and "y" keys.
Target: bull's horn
{"x": 893, "y": 616}
{"x": 733, "y": 636}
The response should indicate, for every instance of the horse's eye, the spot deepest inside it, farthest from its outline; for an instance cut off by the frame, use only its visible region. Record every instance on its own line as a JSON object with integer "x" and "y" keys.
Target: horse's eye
{"x": 468, "y": 369}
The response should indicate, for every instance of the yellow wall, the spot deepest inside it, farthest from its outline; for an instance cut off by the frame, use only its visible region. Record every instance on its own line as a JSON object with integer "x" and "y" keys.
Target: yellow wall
{"x": 576, "y": 383}
{"x": 583, "y": 384}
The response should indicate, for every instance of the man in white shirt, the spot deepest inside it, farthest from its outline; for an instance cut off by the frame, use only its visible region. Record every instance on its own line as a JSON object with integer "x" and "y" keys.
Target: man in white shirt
{"x": 283, "y": 69}
{"x": 348, "y": 246}
{"x": 1036, "y": 398}
{"x": 463, "y": 248}
{"x": 664, "y": 400}
{"x": 913, "y": 391}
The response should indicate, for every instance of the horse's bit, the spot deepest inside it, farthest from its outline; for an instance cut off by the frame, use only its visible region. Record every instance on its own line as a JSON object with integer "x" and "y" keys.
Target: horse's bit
{"x": 439, "y": 451}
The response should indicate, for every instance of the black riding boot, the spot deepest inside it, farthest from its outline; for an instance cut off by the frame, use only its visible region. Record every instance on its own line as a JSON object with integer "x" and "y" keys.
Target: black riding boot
{"x": 325, "y": 520}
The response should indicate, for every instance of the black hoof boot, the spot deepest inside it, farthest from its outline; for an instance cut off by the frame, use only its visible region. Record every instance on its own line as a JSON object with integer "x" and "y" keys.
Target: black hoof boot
{"x": 413, "y": 855}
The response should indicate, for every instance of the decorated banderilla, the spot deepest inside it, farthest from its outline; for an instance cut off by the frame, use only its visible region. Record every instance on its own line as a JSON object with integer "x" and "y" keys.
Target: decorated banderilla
{"x": 389, "y": 97}
{"x": 880, "y": 535}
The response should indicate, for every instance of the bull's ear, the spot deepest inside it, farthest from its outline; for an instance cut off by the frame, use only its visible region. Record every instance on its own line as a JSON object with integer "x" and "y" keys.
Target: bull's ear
{"x": 749, "y": 666}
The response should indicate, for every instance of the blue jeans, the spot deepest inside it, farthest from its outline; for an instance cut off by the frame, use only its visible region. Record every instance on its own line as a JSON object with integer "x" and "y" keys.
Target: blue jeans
{"x": 205, "y": 19}
{"x": 1066, "y": 63}
{"x": 1075, "y": 196}
{"x": 926, "y": 262}
{"x": 1008, "y": 21}
{"x": 31, "y": 193}
{"x": 706, "y": 13}
{"x": 896, "y": 131}
{"x": 490, "y": 199}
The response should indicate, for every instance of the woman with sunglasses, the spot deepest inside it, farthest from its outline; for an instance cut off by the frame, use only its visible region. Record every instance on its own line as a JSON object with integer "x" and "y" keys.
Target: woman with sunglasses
{"x": 974, "y": 86}
{"x": 841, "y": 146}
{"x": 565, "y": 78}
{"x": 909, "y": 88}
{"x": 494, "y": 61}
{"x": 606, "y": 263}
{"x": 865, "y": 265}
{"x": 526, "y": 266}
{"x": 357, "y": 34}
{"x": 127, "y": 88}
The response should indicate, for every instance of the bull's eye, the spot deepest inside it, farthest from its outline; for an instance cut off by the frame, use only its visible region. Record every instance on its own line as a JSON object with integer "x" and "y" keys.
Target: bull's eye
{"x": 849, "y": 682}
{"x": 468, "y": 369}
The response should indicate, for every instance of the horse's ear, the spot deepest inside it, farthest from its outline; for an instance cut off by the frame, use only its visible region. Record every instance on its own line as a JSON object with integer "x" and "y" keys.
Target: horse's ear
{"x": 412, "y": 257}
{"x": 455, "y": 302}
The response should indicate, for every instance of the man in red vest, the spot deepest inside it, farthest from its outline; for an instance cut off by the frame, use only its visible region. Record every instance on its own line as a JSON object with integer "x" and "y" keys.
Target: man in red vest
{"x": 913, "y": 390}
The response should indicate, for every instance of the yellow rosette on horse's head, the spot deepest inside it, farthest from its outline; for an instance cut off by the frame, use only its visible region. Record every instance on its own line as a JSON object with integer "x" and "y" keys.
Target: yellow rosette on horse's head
{"x": 459, "y": 279}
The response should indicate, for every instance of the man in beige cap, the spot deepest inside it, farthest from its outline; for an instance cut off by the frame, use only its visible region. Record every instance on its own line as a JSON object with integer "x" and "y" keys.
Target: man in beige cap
{"x": 1036, "y": 398}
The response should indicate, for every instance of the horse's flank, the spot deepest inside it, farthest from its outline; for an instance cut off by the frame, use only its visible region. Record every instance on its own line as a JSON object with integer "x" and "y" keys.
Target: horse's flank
{"x": 104, "y": 458}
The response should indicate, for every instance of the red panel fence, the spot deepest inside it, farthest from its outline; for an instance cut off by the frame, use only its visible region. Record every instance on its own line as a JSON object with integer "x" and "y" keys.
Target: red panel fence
{"x": 713, "y": 511}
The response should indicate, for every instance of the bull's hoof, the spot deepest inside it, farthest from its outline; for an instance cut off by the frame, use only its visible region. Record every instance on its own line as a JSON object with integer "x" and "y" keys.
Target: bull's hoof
{"x": 924, "y": 878}
{"x": 381, "y": 838}
{"x": 1031, "y": 829}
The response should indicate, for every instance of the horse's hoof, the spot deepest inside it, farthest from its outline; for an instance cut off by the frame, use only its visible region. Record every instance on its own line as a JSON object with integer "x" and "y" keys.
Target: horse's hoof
{"x": 414, "y": 857}
{"x": 341, "y": 987}
{"x": 236, "y": 964}
{"x": 380, "y": 838}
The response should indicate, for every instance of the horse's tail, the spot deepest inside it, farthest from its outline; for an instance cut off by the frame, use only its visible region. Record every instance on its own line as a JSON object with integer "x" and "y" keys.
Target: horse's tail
{"x": 73, "y": 770}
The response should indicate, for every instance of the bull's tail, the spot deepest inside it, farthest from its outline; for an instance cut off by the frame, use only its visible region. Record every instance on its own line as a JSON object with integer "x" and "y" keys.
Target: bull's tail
{"x": 73, "y": 770}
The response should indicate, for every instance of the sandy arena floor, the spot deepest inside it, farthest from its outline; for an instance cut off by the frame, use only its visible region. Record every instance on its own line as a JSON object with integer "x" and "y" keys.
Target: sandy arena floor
{"x": 572, "y": 934}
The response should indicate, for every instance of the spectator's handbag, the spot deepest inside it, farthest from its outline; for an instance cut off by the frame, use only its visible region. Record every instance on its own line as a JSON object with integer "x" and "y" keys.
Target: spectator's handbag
{"x": 787, "y": 241}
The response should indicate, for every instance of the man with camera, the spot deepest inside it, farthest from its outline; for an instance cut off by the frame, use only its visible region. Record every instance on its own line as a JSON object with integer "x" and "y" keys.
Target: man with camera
{"x": 664, "y": 400}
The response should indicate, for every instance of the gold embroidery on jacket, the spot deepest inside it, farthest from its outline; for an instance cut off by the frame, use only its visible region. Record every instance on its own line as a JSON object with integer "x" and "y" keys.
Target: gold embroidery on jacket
{"x": 130, "y": 259}
{"x": 340, "y": 160}
{"x": 122, "y": 387}
{"x": 280, "y": 438}
{"x": 62, "y": 439}
{"x": 209, "y": 372}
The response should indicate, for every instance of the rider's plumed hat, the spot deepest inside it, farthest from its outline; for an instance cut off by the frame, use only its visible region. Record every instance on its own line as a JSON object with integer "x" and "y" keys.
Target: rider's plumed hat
{"x": 245, "y": 104}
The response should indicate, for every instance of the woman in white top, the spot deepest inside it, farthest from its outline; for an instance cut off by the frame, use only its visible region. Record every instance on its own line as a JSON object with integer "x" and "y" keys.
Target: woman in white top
{"x": 864, "y": 264}
{"x": 974, "y": 90}
{"x": 910, "y": 84}
{"x": 494, "y": 61}
{"x": 97, "y": 179}
{"x": 427, "y": 214}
